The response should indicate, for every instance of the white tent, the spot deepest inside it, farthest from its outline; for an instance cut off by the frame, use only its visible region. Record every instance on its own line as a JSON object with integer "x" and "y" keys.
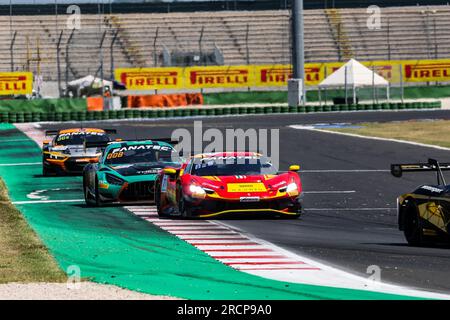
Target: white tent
{"x": 89, "y": 81}
{"x": 354, "y": 75}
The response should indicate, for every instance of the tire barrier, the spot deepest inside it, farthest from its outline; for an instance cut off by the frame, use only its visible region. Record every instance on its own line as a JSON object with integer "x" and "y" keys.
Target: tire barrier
{"x": 19, "y": 117}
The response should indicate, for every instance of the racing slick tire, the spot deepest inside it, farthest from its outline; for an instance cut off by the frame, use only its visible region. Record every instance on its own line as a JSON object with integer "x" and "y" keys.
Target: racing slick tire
{"x": 412, "y": 229}
{"x": 46, "y": 171}
{"x": 161, "y": 214}
{"x": 183, "y": 209}
{"x": 298, "y": 212}
{"x": 88, "y": 199}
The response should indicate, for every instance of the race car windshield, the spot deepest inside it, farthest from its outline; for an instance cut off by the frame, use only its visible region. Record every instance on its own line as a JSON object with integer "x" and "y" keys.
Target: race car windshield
{"x": 78, "y": 138}
{"x": 232, "y": 166}
{"x": 148, "y": 154}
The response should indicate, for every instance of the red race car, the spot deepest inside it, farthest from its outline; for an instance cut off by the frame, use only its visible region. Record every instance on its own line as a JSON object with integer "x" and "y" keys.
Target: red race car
{"x": 228, "y": 183}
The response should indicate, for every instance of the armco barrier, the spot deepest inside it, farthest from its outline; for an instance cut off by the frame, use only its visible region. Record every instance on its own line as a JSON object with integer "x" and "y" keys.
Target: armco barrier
{"x": 18, "y": 117}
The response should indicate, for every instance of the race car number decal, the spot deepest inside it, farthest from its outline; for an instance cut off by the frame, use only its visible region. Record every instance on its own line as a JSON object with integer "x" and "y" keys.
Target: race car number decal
{"x": 114, "y": 155}
{"x": 61, "y": 138}
{"x": 246, "y": 187}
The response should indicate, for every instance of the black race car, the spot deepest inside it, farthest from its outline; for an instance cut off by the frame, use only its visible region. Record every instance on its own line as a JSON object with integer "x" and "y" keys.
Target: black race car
{"x": 424, "y": 214}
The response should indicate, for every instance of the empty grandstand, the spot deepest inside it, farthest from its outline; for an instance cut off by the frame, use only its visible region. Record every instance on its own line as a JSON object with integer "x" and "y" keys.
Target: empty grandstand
{"x": 122, "y": 39}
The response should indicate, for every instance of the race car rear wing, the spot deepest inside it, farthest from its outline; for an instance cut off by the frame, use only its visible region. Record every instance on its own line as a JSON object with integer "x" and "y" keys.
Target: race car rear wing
{"x": 55, "y": 132}
{"x": 49, "y": 133}
{"x": 397, "y": 170}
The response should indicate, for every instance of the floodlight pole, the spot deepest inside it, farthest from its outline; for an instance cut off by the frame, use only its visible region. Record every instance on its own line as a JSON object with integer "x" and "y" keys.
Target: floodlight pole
{"x": 298, "y": 46}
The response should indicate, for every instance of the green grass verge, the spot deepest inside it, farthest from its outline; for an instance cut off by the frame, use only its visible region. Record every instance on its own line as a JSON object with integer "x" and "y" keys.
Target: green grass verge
{"x": 23, "y": 257}
{"x": 428, "y": 132}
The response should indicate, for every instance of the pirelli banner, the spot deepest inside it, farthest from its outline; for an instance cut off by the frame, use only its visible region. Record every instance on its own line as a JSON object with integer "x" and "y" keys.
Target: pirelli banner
{"x": 16, "y": 83}
{"x": 273, "y": 75}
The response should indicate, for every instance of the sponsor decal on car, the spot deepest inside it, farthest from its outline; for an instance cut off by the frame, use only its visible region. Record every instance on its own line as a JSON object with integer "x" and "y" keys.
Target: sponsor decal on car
{"x": 141, "y": 147}
{"x": 249, "y": 199}
{"x": 432, "y": 189}
{"x": 151, "y": 171}
{"x": 246, "y": 187}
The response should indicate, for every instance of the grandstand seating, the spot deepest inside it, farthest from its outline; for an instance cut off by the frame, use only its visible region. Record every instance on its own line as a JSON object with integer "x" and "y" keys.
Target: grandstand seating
{"x": 256, "y": 37}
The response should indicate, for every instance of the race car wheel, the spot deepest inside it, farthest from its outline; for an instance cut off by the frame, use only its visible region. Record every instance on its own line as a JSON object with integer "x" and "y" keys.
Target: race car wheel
{"x": 158, "y": 202}
{"x": 98, "y": 202}
{"x": 45, "y": 171}
{"x": 183, "y": 208}
{"x": 412, "y": 228}
{"x": 91, "y": 201}
{"x": 157, "y": 197}
{"x": 87, "y": 196}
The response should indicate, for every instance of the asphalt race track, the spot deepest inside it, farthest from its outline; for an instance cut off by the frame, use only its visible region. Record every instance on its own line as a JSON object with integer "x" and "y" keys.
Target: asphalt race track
{"x": 350, "y": 218}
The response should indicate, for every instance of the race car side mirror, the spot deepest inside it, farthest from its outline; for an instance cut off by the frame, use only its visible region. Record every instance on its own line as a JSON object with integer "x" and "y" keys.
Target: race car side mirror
{"x": 46, "y": 142}
{"x": 170, "y": 171}
{"x": 294, "y": 168}
{"x": 396, "y": 170}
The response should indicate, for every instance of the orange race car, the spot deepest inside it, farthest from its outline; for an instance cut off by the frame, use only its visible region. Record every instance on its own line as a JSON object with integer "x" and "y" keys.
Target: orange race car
{"x": 228, "y": 183}
{"x": 66, "y": 153}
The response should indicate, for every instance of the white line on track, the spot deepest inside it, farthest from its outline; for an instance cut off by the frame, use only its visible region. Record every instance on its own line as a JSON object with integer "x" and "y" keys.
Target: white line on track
{"x": 329, "y": 192}
{"x": 345, "y": 171}
{"x": 14, "y": 140}
{"x": 349, "y": 209}
{"x": 20, "y": 164}
{"x": 312, "y": 128}
{"x": 47, "y": 201}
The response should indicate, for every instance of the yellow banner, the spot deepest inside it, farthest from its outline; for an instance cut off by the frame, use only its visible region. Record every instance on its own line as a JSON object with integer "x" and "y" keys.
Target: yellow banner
{"x": 273, "y": 75}
{"x": 150, "y": 78}
{"x": 426, "y": 70}
{"x": 219, "y": 77}
{"x": 15, "y": 83}
{"x": 278, "y": 75}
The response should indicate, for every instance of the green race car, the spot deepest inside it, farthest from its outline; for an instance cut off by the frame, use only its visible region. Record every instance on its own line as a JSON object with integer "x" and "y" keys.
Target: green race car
{"x": 126, "y": 171}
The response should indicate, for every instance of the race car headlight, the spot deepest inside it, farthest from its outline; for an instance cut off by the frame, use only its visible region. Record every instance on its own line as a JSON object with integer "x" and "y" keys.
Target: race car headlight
{"x": 56, "y": 157}
{"x": 292, "y": 189}
{"x": 114, "y": 180}
{"x": 197, "y": 191}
